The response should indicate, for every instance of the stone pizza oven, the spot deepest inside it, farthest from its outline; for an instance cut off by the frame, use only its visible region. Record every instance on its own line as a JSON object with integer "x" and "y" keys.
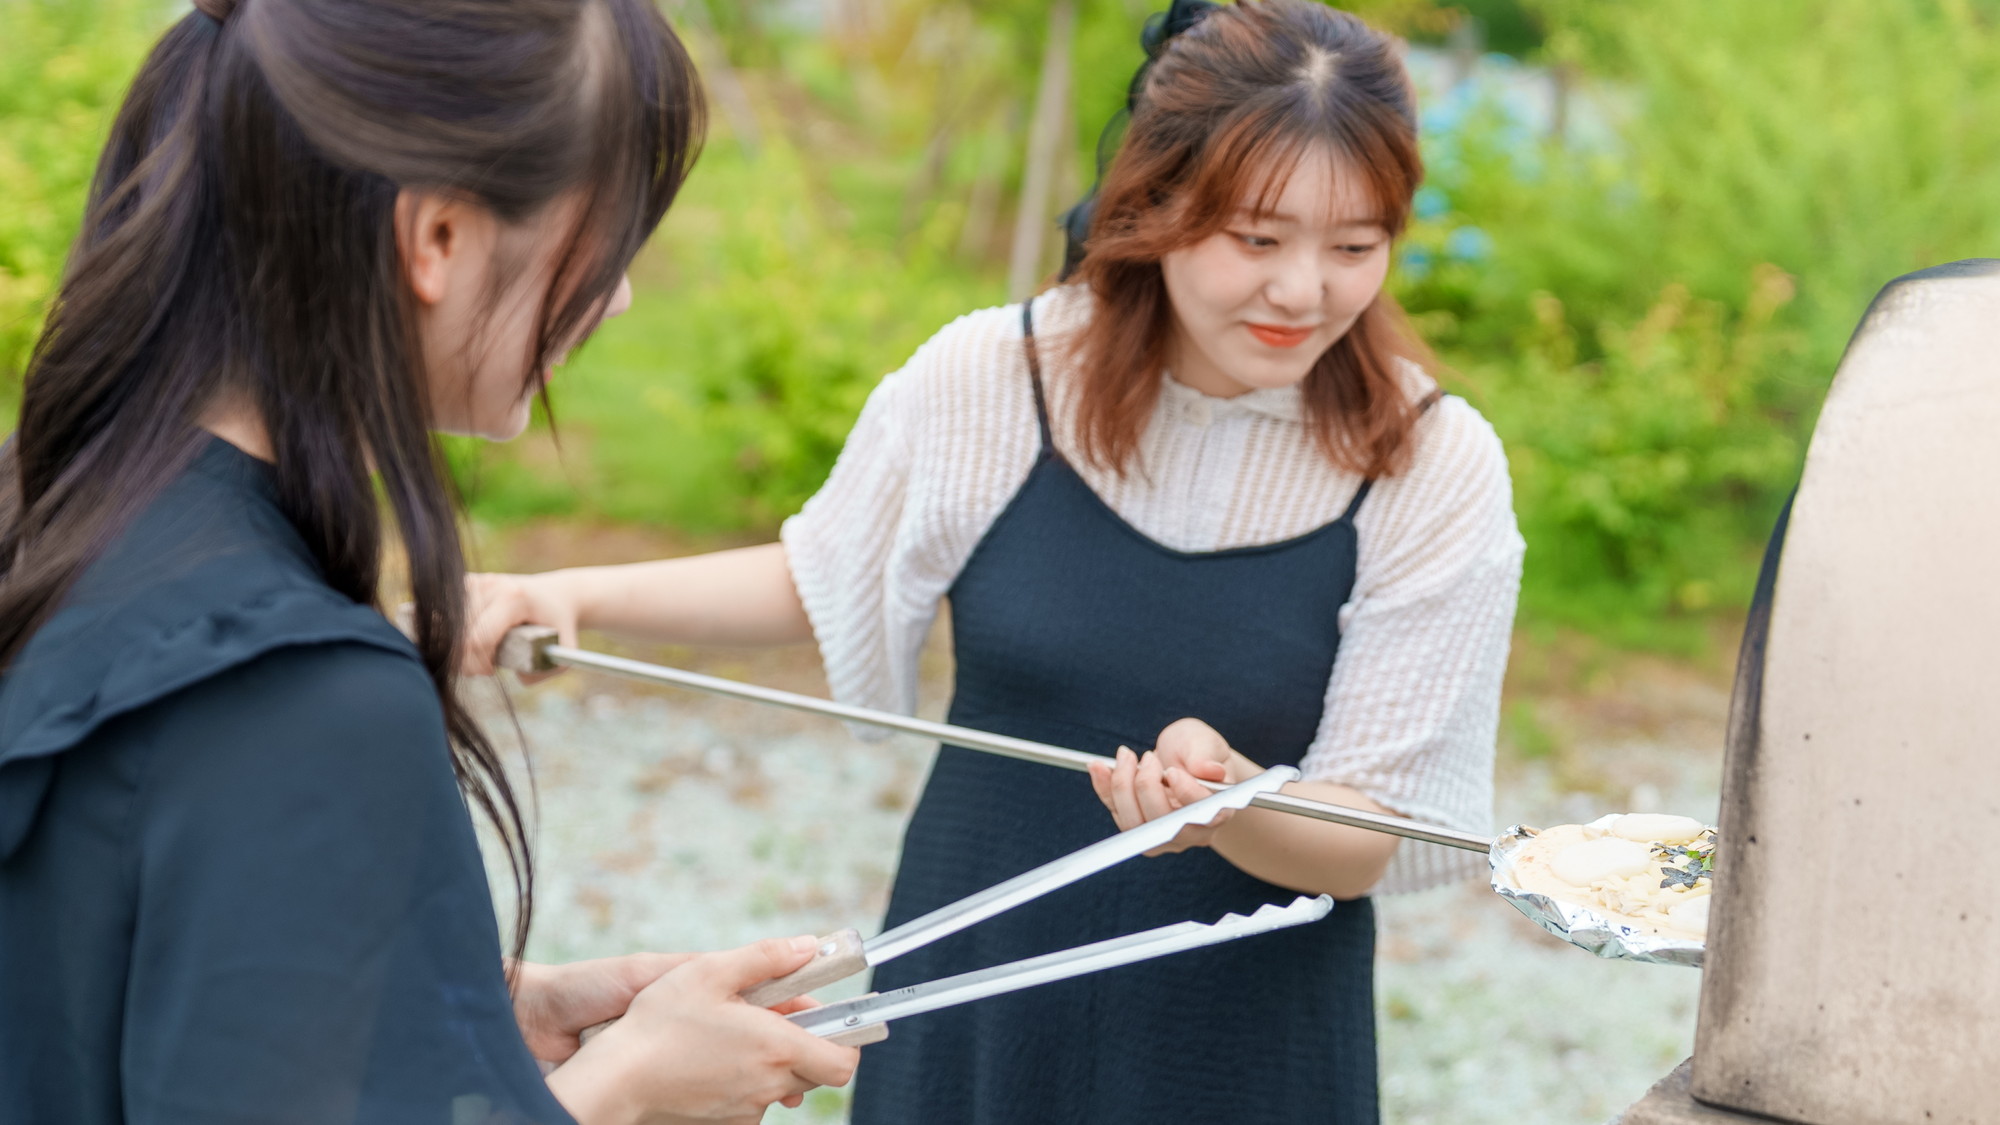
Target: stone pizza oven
{"x": 1853, "y": 966}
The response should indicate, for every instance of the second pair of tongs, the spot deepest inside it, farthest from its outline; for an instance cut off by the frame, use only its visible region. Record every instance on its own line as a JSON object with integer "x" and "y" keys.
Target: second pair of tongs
{"x": 865, "y": 1019}
{"x": 844, "y": 954}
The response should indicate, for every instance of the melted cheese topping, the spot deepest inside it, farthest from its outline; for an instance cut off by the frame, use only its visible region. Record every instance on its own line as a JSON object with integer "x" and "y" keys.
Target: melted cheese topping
{"x": 1613, "y": 870}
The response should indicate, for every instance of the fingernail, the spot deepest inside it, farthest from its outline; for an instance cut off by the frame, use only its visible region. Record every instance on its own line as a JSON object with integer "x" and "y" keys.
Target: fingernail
{"x": 805, "y": 944}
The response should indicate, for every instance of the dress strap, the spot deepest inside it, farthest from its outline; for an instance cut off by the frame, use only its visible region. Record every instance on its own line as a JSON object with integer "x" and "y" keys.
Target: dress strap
{"x": 1354, "y": 505}
{"x": 1035, "y": 373}
{"x": 1360, "y": 494}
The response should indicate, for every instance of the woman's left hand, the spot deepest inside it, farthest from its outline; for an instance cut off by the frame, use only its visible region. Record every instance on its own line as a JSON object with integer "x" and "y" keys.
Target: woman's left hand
{"x": 555, "y": 1004}
{"x": 1141, "y": 788}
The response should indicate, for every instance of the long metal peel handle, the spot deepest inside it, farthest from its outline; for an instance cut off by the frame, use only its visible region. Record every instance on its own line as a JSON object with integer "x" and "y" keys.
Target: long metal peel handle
{"x": 839, "y": 956}
{"x": 533, "y": 648}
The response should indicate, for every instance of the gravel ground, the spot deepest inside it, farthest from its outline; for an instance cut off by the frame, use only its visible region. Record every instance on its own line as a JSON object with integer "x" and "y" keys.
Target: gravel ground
{"x": 670, "y": 821}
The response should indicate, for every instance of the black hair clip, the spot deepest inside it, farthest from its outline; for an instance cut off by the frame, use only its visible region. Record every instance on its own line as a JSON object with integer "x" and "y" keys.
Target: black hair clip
{"x": 1162, "y": 26}
{"x": 1160, "y": 29}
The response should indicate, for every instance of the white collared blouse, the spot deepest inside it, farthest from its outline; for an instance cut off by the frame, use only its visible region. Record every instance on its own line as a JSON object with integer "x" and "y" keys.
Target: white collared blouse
{"x": 1412, "y": 706}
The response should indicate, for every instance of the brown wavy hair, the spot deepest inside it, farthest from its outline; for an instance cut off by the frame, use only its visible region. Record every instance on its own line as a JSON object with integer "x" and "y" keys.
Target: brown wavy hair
{"x": 1229, "y": 108}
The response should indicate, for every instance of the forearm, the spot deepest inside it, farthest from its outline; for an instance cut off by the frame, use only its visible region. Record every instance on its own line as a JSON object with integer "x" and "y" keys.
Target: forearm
{"x": 1302, "y": 854}
{"x": 739, "y": 597}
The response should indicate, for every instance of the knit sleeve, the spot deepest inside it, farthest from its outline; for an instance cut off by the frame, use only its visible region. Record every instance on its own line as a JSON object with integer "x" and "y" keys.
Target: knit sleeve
{"x": 1412, "y": 709}
{"x": 939, "y": 449}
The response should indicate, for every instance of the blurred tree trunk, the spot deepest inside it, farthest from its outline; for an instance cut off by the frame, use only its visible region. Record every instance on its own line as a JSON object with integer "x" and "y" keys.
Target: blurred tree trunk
{"x": 1467, "y": 42}
{"x": 950, "y": 99}
{"x": 720, "y": 77}
{"x": 1070, "y": 186}
{"x": 1046, "y": 139}
{"x": 922, "y": 193}
{"x": 1562, "y": 87}
{"x": 850, "y": 19}
{"x": 982, "y": 211}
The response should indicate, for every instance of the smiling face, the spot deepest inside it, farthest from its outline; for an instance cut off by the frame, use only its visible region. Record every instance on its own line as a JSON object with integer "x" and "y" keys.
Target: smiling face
{"x": 1258, "y": 302}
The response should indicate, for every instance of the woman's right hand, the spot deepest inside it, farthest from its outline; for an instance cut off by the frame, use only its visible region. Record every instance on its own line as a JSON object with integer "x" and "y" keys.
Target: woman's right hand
{"x": 690, "y": 1048}
{"x": 496, "y": 603}
{"x": 1142, "y": 788}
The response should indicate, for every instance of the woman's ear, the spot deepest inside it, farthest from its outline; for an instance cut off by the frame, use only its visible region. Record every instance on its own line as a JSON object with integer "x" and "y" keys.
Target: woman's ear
{"x": 434, "y": 236}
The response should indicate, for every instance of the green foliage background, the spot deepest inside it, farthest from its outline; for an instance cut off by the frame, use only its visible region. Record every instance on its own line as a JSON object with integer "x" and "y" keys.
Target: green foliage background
{"x": 63, "y": 69}
{"x": 1648, "y": 312}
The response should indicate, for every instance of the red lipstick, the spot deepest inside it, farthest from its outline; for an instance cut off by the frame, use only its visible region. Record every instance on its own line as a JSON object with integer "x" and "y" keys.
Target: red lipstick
{"x": 1278, "y": 336}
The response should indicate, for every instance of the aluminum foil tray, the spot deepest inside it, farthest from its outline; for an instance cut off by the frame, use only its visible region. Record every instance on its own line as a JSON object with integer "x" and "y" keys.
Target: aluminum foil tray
{"x": 1578, "y": 925}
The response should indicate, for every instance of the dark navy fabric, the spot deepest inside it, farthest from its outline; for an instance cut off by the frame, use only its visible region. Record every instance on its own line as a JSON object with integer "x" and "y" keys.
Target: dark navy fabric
{"x": 237, "y": 880}
{"x": 1073, "y": 628}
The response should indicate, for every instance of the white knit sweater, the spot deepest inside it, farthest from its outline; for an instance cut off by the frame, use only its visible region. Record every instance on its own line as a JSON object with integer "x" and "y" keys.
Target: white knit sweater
{"x": 944, "y": 443}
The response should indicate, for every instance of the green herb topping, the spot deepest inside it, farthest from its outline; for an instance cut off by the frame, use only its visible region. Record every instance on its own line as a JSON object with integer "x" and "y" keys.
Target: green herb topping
{"x": 1688, "y": 865}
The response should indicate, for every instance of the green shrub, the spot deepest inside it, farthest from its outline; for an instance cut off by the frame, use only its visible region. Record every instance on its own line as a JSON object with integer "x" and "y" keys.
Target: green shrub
{"x": 722, "y": 399}
{"x": 63, "y": 72}
{"x": 1651, "y": 323}
{"x": 1643, "y": 477}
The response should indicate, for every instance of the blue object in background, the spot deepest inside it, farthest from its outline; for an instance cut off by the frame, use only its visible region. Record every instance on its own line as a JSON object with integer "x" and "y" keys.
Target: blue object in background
{"x": 1468, "y": 244}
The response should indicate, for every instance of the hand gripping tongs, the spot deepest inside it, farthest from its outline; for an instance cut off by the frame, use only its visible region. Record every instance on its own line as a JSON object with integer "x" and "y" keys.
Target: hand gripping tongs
{"x": 865, "y": 1019}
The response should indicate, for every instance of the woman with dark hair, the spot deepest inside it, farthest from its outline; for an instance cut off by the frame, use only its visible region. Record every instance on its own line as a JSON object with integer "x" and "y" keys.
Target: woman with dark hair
{"x": 238, "y": 878}
{"x": 1209, "y": 498}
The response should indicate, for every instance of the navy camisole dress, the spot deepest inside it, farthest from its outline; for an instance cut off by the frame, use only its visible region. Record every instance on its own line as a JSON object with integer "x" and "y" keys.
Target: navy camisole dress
{"x": 1073, "y": 628}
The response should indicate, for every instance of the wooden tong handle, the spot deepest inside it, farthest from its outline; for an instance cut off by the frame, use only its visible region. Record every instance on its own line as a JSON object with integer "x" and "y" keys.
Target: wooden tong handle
{"x": 838, "y": 958}
{"x": 860, "y": 1036}
{"x": 521, "y": 650}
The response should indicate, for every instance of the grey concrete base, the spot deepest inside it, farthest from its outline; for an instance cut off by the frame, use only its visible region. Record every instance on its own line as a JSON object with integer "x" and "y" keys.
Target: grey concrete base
{"x": 1669, "y": 1103}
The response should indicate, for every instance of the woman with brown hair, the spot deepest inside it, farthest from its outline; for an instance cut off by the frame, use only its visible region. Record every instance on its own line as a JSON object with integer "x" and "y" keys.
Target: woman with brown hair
{"x": 1206, "y": 498}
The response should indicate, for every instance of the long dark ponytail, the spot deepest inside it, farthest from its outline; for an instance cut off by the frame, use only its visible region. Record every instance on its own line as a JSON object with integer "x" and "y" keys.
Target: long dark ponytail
{"x": 241, "y": 244}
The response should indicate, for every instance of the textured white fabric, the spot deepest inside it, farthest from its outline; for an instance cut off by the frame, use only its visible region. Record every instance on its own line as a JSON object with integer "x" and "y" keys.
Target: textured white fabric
{"x": 943, "y": 444}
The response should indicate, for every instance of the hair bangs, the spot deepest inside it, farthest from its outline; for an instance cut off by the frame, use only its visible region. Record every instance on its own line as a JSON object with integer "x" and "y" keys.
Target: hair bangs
{"x": 1246, "y": 167}
{"x": 1253, "y": 163}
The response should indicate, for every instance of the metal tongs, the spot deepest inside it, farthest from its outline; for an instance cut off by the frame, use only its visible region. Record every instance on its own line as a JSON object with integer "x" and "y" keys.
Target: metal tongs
{"x": 865, "y": 1019}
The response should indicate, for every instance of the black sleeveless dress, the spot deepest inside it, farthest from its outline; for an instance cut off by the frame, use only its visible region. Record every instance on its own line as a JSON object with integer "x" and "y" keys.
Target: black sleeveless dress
{"x": 1071, "y": 627}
